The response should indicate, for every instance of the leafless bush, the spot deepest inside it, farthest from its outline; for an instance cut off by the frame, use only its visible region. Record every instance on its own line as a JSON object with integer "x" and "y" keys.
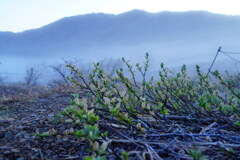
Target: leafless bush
{"x": 60, "y": 81}
{"x": 111, "y": 65}
{"x": 61, "y": 75}
{"x": 32, "y": 76}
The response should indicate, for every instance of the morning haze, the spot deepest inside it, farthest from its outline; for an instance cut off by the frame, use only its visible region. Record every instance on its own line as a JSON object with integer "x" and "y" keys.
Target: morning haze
{"x": 174, "y": 38}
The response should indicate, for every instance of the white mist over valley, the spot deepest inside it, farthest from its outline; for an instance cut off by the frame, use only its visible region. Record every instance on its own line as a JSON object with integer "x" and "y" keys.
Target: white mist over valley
{"x": 174, "y": 38}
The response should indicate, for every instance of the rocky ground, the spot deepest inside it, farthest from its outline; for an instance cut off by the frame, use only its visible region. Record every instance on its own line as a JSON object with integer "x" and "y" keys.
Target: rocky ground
{"x": 25, "y": 119}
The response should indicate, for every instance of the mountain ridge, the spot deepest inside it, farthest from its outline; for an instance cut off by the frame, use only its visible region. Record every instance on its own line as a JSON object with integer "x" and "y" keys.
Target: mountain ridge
{"x": 131, "y": 12}
{"x": 93, "y": 34}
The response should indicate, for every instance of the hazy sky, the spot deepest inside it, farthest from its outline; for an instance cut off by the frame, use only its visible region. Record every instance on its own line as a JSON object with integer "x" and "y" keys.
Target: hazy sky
{"x": 19, "y": 15}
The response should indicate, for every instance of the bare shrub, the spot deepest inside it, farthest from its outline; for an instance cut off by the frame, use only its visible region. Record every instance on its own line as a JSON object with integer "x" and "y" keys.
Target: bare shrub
{"x": 61, "y": 75}
{"x": 32, "y": 76}
{"x": 60, "y": 81}
{"x": 111, "y": 65}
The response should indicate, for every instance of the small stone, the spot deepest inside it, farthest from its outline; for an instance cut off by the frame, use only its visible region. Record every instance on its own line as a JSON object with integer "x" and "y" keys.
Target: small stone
{"x": 51, "y": 115}
{"x": 26, "y": 136}
{"x": 20, "y": 127}
{"x": 4, "y": 147}
{"x": 19, "y": 134}
{"x": 42, "y": 110}
{"x": 65, "y": 138}
{"x": 59, "y": 141}
{"x": 37, "y": 130}
{"x": 6, "y": 152}
{"x": 34, "y": 122}
{"x": 22, "y": 140}
{"x": 37, "y": 155}
{"x": 35, "y": 149}
{"x": 59, "y": 137}
{"x": 46, "y": 146}
{"x": 14, "y": 151}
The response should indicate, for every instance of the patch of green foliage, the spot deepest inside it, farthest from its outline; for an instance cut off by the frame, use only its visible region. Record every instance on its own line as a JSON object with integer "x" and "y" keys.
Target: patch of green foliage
{"x": 196, "y": 155}
{"x": 124, "y": 155}
{"x": 125, "y": 99}
{"x": 80, "y": 115}
{"x": 41, "y": 135}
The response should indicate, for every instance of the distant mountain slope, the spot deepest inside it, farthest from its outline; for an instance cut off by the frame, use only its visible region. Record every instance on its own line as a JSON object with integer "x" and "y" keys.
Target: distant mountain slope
{"x": 174, "y": 37}
{"x": 75, "y": 34}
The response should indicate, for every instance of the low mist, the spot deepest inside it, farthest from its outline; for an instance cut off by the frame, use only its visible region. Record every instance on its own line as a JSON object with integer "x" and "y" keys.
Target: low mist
{"x": 174, "y": 38}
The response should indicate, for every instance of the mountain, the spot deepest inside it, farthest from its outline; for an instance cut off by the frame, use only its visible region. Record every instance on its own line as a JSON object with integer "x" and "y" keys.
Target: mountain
{"x": 172, "y": 37}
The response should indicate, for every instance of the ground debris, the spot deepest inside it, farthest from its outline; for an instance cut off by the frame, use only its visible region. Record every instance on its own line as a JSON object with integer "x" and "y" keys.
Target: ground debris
{"x": 172, "y": 140}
